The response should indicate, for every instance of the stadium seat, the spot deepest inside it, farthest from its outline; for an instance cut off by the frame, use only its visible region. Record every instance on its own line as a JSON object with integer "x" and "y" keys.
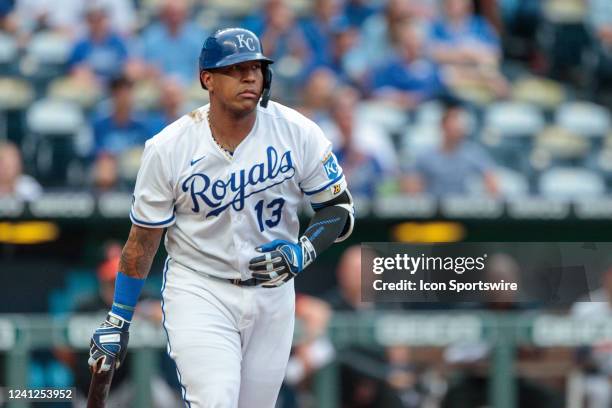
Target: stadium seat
{"x": 511, "y": 183}
{"x": 556, "y": 146}
{"x": 69, "y": 90}
{"x": 15, "y": 93}
{"x": 129, "y": 163}
{"x": 53, "y": 126}
{"x": 584, "y": 118}
{"x": 428, "y": 113}
{"x": 508, "y": 132}
{"x": 46, "y": 56}
{"x": 417, "y": 139}
{"x": 569, "y": 182}
{"x": 146, "y": 95}
{"x": 54, "y": 117}
{"x": 513, "y": 119}
{"x": 384, "y": 115}
{"x": 542, "y": 92}
{"x": 8, "y": 54}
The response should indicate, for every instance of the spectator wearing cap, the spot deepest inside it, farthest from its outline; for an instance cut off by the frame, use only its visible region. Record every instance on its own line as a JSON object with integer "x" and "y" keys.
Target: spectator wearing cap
{"x": 13, "y": 183}
{"x": 170, "y": 47}
{"x": 410, "y": 77}
{"x": 121, "y": 128}
{"x": 101, "y": 54}
{"x": 448, "y": 169}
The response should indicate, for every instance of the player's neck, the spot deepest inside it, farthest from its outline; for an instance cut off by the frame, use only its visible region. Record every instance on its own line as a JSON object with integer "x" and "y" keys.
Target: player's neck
{"x": 229, "y": 127}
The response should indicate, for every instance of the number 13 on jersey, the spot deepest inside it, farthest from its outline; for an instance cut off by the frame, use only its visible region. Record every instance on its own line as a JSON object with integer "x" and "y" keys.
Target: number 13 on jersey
{"x": 271, "y": 216}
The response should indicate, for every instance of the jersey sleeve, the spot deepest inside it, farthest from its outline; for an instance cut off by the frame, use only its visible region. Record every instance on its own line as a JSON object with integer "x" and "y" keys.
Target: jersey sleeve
{"x": 153, "y": 200}
{"x": 322, "y": 178}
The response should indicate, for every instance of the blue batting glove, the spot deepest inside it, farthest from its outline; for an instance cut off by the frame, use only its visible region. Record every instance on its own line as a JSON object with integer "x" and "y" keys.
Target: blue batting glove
{"x": 108, "y": 345}
{"x": 281, "y": 261}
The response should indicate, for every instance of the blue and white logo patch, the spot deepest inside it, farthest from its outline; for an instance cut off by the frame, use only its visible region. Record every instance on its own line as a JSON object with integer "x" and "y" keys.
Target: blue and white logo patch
{"x": 331, "y": 167}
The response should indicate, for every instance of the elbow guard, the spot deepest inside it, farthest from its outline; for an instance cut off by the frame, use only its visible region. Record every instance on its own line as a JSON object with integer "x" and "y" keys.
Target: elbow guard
{"x": 347, "y": 204}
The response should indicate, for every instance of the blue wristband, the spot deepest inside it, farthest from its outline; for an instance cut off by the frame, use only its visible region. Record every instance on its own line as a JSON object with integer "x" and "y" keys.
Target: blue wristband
{"x": 127, "y": 290}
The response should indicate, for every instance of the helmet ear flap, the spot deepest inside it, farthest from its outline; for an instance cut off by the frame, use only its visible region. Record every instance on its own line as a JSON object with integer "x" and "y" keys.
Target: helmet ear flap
{"x": 267, "y": 85}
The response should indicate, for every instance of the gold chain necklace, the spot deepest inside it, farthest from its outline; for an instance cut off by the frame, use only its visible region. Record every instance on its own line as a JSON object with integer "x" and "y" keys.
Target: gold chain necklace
{"x": 225, "y": 147}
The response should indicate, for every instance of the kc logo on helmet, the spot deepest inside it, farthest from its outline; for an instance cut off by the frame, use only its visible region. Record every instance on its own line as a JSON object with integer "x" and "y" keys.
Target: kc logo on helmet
{"x": 248, "y": 42}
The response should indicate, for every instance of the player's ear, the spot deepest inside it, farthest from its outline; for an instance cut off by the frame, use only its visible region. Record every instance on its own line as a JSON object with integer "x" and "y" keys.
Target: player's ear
{"x": 206, "y": 80}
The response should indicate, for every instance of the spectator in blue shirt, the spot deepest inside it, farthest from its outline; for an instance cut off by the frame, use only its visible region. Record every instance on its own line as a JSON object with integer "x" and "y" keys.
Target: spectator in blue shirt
{"x": 122, "y": 128}
{"x": 102, "y": 54}
{"x": 358, "y": 11}
{"x": 410, "y": 77}
{"x": 461, "y": 37}
{"x": 345, "y": 58}
{"x": 326, "y": 16}
{"x": 171, "y": 46}
{"x": 449, "y": 168}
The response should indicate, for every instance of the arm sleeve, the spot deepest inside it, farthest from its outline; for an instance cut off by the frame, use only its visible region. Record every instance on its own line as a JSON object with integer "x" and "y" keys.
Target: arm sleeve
{"x": 153, "y": 201}
{"x": 322, "y": 179}
{"x": 332, "y": 222}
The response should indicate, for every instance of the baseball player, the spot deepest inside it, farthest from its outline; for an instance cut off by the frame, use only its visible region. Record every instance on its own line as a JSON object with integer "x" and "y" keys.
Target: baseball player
{"x": 226, "y": 181}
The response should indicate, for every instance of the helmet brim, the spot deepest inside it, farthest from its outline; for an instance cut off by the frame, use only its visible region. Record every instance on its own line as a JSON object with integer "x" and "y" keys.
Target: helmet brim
{"x": 239, "y": 58}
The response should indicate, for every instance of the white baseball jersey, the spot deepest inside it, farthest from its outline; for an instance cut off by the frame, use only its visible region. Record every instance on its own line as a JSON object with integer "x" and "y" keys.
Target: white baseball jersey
{"x": 218, "y": 207}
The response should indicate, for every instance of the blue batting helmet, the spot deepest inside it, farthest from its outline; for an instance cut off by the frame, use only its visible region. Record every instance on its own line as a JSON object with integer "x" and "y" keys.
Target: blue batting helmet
{"x": 231, "y": 46}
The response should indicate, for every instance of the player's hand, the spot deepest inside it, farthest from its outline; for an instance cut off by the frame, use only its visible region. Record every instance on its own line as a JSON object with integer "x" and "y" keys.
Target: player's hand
{"x": 109, "y": 344}
{"x": 281, "y": 261}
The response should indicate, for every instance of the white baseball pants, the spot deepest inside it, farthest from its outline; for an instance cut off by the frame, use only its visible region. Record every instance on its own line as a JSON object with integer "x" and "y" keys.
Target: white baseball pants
{"x": 230, "y": 343}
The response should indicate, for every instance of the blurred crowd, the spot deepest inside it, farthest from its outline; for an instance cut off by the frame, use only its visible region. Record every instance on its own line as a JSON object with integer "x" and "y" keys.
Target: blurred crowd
{"x": 498, "y": 98}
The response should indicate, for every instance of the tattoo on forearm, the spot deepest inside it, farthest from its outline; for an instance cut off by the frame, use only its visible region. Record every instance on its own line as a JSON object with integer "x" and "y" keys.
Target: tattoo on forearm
{"x": 139, "y": 251}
